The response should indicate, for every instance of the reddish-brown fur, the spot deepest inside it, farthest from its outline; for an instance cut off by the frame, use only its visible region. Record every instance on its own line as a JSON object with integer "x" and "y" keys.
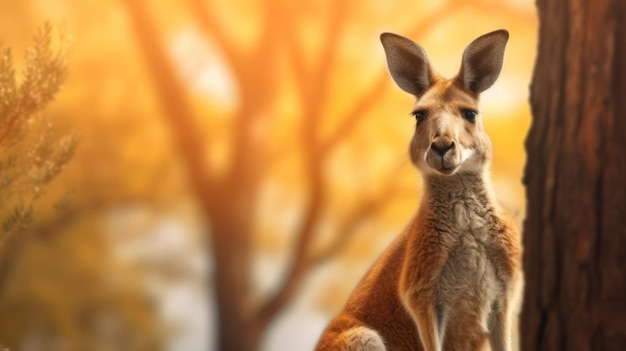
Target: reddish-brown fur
{"x": 452, "y": 280}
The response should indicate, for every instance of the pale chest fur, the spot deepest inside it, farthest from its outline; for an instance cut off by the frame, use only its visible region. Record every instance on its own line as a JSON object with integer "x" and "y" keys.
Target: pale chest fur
{"x": 464, "y": 217}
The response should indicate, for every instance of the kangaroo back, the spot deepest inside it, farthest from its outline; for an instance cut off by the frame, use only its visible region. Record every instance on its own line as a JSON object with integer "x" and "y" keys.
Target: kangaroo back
{"x": 452, "y": 280}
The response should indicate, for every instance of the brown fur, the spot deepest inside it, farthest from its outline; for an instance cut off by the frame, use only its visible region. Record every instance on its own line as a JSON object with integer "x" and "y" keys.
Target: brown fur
{"x": 452, "y": 280}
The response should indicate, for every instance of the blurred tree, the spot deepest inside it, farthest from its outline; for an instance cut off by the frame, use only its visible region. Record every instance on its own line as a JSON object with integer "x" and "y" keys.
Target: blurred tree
{"x": 60, "y": 288}
{"x": 230, "y": 194}
{"x": 574, "y": 235}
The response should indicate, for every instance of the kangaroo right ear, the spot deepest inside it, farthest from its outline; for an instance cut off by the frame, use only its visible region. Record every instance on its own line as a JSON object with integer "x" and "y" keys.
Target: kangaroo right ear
{"x": 407, "y": 63}
{"x": 482, "y": 61}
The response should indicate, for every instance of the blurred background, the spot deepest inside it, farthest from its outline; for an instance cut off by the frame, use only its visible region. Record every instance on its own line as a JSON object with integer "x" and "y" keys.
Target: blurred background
{"x": 217, "y": 175}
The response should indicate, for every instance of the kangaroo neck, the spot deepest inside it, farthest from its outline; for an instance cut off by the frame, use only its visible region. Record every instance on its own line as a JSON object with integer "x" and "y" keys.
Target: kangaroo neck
{"x": 461, "y": 200}
{"x": 438, "y": 187}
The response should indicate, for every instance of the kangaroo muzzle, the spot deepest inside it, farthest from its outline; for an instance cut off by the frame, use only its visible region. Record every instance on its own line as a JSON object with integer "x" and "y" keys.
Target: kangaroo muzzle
{"x": 443, "y": 155}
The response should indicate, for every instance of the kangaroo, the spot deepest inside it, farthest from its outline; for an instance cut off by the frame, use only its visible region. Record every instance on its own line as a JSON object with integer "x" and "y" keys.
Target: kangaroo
{"x": 452, "y": 279}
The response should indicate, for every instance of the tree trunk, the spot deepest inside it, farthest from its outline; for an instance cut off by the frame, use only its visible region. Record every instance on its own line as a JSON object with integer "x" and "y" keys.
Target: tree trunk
{"x": 231, "y": 247}
{"x": 235, "y": 323}
{"x": 575, "y": 230}
{"x": 227, "y": 201}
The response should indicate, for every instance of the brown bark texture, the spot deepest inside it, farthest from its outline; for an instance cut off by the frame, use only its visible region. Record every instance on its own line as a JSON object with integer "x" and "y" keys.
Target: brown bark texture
{"x": 575, "y": 229}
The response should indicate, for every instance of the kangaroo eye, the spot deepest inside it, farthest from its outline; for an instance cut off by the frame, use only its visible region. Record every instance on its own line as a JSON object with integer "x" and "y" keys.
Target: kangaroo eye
{"x": 419, "y": 115}
{"x": 469, "y": 115}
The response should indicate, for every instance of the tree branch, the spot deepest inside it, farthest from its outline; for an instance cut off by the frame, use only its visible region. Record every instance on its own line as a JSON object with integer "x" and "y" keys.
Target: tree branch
{"x": 303, "y": 261}
{"x": 367, "y": 208}
{"x": 365, "y": 102}
{"x": 349, "y": 228}
{"x": 170, "y": 90}
{"x": 310, "y": 260}
{"x": 299, "y": 268}
{"x": 312, "y": 99}
{"x": 356, "y": 114}
{"x": 255, "y": 89}
{"x": 209, "y": 24}
{"x": 369, "y": 99}
{"x": 323, "y": 71}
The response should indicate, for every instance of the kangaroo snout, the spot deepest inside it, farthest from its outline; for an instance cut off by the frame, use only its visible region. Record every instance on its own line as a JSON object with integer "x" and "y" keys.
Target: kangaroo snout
{"x": 443, "y": 155}
{"x": 441, "y": 145}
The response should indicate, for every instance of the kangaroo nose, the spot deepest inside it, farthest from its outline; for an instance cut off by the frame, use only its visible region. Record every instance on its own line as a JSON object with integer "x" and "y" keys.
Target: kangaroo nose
{"x": 441, "y": 145}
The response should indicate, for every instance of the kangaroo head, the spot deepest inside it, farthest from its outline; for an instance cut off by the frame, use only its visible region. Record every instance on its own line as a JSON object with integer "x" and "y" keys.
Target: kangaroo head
{"x": 449, "y": 134}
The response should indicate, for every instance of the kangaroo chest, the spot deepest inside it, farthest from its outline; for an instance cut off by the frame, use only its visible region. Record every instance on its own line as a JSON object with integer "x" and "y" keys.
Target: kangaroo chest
{"x": 469, "y": 272}
{"x": 469, "y": 277}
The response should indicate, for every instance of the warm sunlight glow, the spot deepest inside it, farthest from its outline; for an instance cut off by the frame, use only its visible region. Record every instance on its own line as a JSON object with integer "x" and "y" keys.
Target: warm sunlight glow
{"x": 203, "y": 68}
{"x": 263, "y": 140}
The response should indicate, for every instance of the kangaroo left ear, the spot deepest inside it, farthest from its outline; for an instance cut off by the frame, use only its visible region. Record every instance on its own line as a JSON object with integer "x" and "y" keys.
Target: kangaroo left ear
{"x": 407, "y": 63}
{"x": 482, "y": 61}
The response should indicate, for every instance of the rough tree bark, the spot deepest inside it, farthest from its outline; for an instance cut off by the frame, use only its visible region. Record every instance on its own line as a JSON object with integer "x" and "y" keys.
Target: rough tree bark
{"x": 575, "y": 230}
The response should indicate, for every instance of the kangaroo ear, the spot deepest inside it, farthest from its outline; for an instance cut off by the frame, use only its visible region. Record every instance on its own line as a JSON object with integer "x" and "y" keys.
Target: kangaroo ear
{"x": 407, "y": 63}
{"x": 482, "y": 61}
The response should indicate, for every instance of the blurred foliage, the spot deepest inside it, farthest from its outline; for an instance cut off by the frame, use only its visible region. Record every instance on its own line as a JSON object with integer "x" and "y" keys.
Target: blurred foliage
{"x": 31, "y": 153}
{"x": 59, "y": 290}
{"x": 67, "y": 293}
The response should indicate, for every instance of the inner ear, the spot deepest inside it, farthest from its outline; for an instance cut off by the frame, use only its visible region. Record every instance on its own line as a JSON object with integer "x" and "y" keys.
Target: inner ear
{"x": 407, "y": 63}
{"x": 482, "y": 61}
